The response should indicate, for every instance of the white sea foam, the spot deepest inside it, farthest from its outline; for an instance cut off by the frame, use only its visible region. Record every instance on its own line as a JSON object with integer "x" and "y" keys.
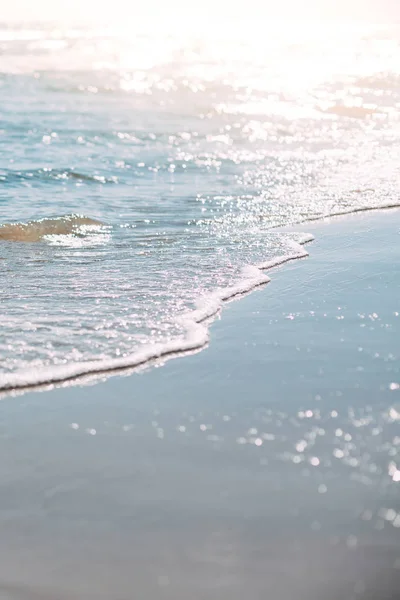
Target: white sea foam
{"x": 195, "y": 322}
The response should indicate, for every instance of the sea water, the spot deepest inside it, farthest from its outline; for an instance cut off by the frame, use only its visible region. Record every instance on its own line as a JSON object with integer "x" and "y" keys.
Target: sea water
{"x": 190, "y": 148}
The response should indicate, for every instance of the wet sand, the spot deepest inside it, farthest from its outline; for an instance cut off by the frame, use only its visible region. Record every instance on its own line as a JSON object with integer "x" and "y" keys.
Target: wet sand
{"x": 264, "y": 466}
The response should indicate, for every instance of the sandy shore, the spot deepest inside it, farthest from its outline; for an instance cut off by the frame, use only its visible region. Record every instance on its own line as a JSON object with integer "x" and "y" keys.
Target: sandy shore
{"x": 265, "y": 465}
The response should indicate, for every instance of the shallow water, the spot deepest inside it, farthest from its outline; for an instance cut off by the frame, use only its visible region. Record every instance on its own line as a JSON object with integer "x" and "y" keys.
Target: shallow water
{"x": 191, "y": 148}
{"x": 269, "y": 462}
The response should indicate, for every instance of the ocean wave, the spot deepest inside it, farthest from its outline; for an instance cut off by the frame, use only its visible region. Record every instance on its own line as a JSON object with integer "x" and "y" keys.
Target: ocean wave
{"x": 350, "y": 111}
{"x": 379, "y": 81}
{"x": 49, "y": 175}
{"x": 195, "y": 322}
{"x": 34, "y": 231}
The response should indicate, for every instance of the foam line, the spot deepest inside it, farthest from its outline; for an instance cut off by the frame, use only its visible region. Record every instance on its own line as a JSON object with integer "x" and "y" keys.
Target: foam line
{"x": 341, "y": 213}
{"x": 195, "y": 322}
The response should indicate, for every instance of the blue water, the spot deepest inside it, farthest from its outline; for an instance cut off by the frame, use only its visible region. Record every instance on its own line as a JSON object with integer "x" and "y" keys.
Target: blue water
{"x": 191, "y": 149}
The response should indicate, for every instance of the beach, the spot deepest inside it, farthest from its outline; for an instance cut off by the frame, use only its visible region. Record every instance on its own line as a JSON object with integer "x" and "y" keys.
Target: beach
{"x": 265, "y": 465}
{"x": 199, "y": 306}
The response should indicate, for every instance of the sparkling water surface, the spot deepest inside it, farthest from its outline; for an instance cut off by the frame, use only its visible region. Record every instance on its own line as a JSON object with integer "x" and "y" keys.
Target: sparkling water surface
{"x": 191, "y": 148}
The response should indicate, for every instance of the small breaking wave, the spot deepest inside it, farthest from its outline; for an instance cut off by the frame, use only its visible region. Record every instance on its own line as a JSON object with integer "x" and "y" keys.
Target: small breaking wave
{"x": 34, "y": 231}
{"x": 350, "y": 111}
{"x": 49, "y": 175}
{"x": 380, "y": 81}
{"x": 195, "y": 323}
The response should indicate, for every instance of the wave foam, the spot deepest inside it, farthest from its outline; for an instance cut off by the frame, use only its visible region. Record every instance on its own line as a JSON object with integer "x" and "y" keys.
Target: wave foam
{"x": 195, "y": 323}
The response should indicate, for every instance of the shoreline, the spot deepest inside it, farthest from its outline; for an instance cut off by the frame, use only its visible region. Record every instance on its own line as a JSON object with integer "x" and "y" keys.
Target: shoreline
{"x": 197, "y": 322}
{"x": 267, "y": 462}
